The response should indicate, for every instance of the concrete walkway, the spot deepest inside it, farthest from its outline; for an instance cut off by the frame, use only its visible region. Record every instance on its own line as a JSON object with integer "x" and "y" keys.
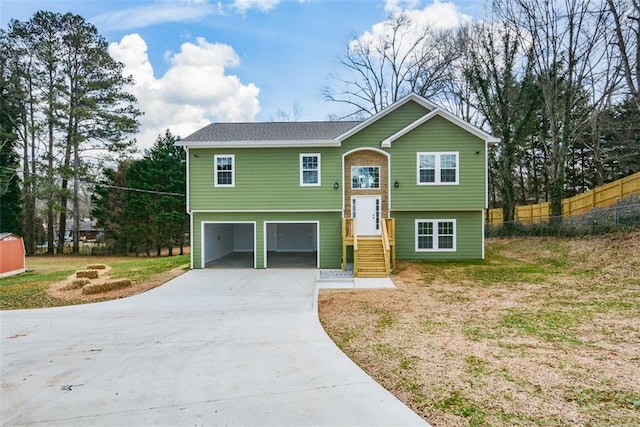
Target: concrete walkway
{"x": 211, "y": 347}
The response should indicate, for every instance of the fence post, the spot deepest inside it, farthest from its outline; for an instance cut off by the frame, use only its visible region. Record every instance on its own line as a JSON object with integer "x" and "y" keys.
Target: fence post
{"x": 620, "y": 189}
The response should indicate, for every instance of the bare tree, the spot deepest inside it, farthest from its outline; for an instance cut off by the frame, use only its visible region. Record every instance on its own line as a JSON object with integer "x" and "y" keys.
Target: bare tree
{"x": 377, "y": 70}
{"x": 570, "y": 41}
{"x": 626, "y": 20}
{"x": 289, "y": 115}
{"x": 499, "y": 74}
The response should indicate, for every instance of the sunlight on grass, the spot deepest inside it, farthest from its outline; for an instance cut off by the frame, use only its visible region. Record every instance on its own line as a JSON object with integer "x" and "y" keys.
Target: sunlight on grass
{"x": 29, "y": 290}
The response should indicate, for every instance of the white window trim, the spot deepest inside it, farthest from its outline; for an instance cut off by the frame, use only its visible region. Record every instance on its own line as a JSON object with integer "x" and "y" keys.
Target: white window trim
{"x": 436, "y": 236}
{"x": 438, "y": 155}
{"x": 215, "y": 170}
{"x": 315, "y": 184}
{"x": 379, "y": 187}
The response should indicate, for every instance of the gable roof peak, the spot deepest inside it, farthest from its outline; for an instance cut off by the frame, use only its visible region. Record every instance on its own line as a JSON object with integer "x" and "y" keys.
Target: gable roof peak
{"x": 452, "y": 118}
{"x": 428, "y": 105}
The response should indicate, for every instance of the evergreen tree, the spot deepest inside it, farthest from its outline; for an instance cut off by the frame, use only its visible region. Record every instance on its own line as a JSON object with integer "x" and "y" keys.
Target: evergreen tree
{"x": 151, "y": 213}
{"x": 74, "y": 100}
{"x": 108, "y": 202}
{"x": 10, "y": 203}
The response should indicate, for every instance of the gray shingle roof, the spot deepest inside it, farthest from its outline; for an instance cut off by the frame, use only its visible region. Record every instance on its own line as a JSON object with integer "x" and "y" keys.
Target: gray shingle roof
{"x": 270, "y": 131}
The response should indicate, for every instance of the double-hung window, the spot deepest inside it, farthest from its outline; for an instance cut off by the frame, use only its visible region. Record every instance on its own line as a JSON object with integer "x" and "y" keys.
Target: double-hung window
{"x": 224, "y": 174}
{"x": 435, "y": 235}
{"x": 438, "y": 168}
{"x": 309, "y": 169}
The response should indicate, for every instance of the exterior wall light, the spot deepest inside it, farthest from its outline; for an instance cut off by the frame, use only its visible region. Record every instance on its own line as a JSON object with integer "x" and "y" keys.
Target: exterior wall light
{"x": 336, "y": 185}
{"x": 396, "y": 184}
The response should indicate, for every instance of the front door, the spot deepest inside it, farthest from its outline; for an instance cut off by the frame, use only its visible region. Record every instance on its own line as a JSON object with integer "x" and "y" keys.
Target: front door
{"x": 366, "y": 211}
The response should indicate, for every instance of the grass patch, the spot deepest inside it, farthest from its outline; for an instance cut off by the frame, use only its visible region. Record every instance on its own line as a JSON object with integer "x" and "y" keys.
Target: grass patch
{"x": 592, "y": 397}
{"x": 543, "y": 324}
{"x": 344, "y": 337}
{"x": 29, "y": 290}
{"x": 475, "y": 365}
{"x": 457, "y": 404}
{"x": 476, "y": 333}
{"x": 384, "y": 317}
{"x": 137, "y": 269}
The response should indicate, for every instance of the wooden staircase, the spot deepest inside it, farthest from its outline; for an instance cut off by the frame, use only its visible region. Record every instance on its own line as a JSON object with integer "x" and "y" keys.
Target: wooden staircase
{"x": 373, "y": 256}
{"x": 370, "y": 258}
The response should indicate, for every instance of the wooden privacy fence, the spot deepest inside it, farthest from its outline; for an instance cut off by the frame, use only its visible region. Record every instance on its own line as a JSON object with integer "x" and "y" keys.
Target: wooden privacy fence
{"x": 599, "y": 197}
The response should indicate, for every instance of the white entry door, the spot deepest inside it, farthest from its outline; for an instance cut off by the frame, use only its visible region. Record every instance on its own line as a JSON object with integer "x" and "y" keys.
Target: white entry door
{"x": 366, "y": 211}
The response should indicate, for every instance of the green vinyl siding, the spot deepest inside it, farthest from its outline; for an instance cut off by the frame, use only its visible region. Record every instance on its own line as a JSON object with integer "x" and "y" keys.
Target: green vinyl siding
{"x": 375, "y": 133}
{"x": 438, "y": 135}
{"x": 329, "y": 232}
{"x": 265, "y": 179}
{"x": 468, "y": 234}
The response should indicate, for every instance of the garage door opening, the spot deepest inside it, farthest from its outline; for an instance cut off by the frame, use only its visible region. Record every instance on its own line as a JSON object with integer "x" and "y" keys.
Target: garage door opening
{"x": 229, "y": 245}
{"x": 291, "y": 245}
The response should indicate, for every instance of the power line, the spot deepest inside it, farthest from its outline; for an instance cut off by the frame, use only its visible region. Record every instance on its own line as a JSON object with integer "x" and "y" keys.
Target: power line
{"x": 139, "y": 190}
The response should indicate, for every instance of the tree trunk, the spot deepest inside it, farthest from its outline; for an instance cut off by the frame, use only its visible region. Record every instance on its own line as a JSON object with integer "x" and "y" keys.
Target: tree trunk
{"x": 29, "y": 217}
{"x": 523, "y": 188}
{"x": 63, "y": 197}
{"x": 76, "y": 185}
{"x": 505, "y": 167}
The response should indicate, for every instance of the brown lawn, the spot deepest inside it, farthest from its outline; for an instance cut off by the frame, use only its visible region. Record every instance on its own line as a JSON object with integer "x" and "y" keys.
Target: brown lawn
{"x": 546, "y": 331}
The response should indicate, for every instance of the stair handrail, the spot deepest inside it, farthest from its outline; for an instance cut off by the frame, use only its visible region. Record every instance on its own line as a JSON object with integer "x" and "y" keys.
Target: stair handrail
{"x": 386, "y": 247}
{"x": 347, "y": 227}
{"x": 355, "y": 246}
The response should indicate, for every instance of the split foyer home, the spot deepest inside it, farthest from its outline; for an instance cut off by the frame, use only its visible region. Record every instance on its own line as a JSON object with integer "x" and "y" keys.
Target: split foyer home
{"x": 408, "y": 183}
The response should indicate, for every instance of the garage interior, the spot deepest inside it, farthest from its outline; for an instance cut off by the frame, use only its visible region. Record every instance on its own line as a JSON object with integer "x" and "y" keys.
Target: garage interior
{"x": 289, "y": 245}
{"x": 229, "y": 245}
{"x": 292, "y": 245}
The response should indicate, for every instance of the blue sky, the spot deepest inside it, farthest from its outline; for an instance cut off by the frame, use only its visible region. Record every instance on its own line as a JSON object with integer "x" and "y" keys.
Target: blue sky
{"x": 197, "y": 61}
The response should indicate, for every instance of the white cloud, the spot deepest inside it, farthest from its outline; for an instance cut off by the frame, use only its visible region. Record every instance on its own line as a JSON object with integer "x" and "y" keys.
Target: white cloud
{"x": 243, "y": 6}
{"x": 193, "y": 92}
{"x": 163, "y": 11}
{"x": 396, "y": 6}
{"x": 156, "y": 13}
{"x": 438, "y": 16}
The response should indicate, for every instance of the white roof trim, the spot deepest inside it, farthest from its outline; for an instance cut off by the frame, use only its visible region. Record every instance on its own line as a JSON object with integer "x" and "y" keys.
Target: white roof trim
{"x": 411, "y": 97}
{"x": 260, "y": 144}
{"x": 447, "y": 116}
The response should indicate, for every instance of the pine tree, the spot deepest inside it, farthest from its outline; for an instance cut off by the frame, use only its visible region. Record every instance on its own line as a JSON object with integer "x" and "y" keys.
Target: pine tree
{"x": 10, "y": 203}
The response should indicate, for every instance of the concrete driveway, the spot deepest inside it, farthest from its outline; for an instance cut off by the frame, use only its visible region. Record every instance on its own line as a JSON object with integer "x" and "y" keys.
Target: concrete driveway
{"x": 211, "y": 347}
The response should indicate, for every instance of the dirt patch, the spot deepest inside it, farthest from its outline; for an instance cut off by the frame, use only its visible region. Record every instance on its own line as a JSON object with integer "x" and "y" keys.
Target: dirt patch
{"x": 65, "y": 290}
{"x": 544, "y": 332}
